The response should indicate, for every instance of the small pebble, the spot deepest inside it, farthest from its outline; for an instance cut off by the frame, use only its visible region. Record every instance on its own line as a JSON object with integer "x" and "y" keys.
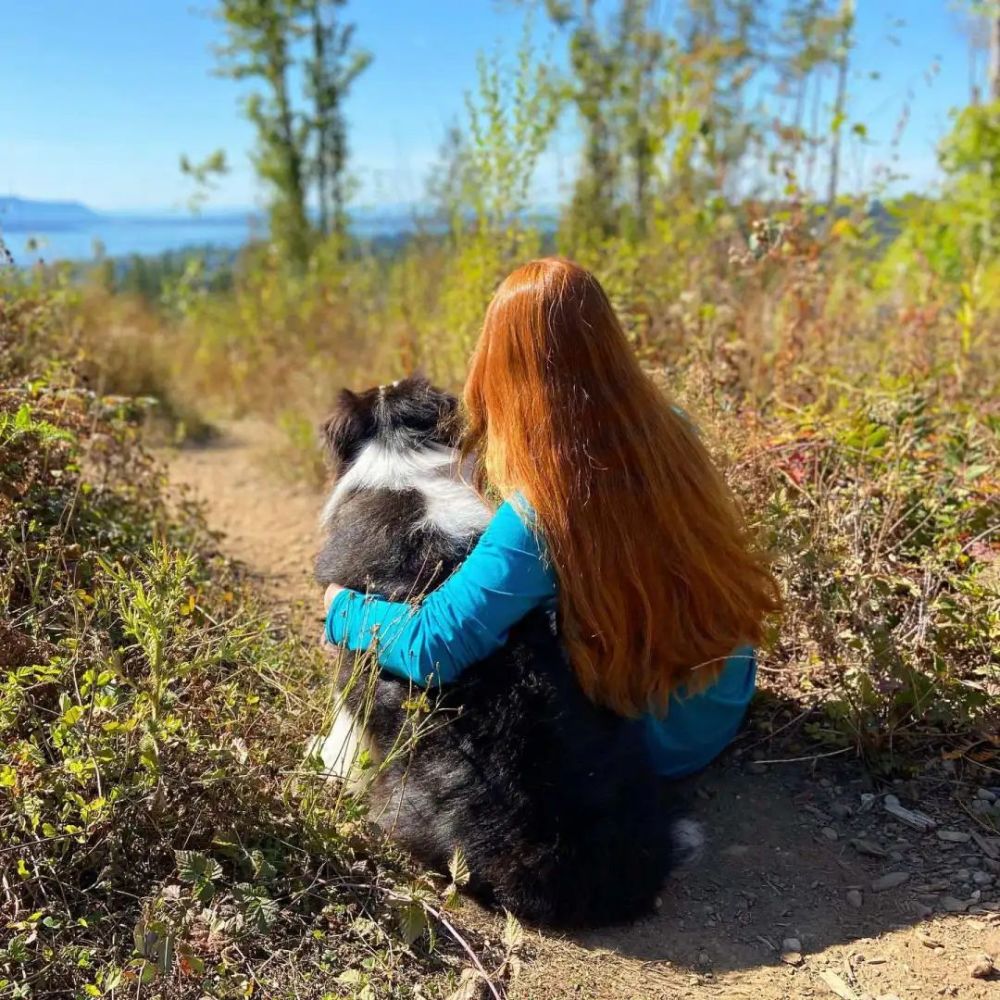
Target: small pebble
{"x": 981, "y": 878}
{"x": 889, "y": 881}
{"x": 953, "y": 836}
{"x": 929, "y": 942}
{"x": 869, "y": 847}
{"x": 855, "y": 898}
{"x": 829, "y": 833}
{"x": 921, "y": 911}
{"x": 952, "y": 905}
{"x": 982, "y": 968}
{"x": 985, "y": 793}
{"x": 841, "y": 810}
{"x": 791, "y": 944}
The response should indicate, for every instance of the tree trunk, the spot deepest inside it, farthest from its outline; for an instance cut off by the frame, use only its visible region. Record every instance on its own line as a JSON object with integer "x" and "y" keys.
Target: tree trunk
{"x": 847, "y": 13}
{"x": 320, "y": 116}
{"x": 295, "y": 195}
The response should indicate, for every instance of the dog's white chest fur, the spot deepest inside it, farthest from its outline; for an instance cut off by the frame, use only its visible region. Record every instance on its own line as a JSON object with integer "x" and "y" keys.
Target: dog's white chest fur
{"x": 451, "y": 506}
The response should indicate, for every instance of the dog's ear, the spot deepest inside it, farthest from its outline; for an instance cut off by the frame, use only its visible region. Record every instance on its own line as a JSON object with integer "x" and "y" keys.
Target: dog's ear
{"x": 449, "y": 419}
{"x": 342, "y": 430}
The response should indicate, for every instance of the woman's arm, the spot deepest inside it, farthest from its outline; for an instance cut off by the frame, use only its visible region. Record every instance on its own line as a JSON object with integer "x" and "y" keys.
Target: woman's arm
{"x": 503, "y": 578}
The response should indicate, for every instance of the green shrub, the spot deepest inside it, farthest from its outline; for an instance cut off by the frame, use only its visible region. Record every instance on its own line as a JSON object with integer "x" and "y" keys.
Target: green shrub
{"x": 159, "y": 822}
{"x": 882, "y": 508}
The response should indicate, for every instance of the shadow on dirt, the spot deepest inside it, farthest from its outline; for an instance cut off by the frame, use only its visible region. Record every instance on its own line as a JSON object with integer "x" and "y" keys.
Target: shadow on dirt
{"x": 796, "y": 850}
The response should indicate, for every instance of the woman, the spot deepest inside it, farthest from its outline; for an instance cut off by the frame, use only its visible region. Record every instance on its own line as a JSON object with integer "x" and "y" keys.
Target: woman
{"x": 613, "y": 514}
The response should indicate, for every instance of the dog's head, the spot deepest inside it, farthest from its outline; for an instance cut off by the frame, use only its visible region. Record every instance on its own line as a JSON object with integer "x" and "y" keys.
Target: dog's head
{"x": 407, "y": 415}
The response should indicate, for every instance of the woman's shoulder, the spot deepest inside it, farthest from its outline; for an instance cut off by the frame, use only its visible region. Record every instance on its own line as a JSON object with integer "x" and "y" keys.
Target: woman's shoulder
{"x": 515, "y": 525}
{"x": 516, "y": 514}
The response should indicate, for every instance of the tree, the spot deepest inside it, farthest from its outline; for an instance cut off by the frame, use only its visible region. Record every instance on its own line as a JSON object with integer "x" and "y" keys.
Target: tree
{"x": 618, "y": 89}
{"x": 650, "y": 98}
{"x": 330, "y": 71}
{"x": 723, "y": 51}
{"x": 260, "y": 34}
{"x": 295, "y": 150}
{"x": 839, "y": 105}
{"x": 807, "y": 38}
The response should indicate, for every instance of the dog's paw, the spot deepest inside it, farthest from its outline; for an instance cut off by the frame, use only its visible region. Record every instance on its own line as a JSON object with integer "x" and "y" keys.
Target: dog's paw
{"x": 688, "y": 840}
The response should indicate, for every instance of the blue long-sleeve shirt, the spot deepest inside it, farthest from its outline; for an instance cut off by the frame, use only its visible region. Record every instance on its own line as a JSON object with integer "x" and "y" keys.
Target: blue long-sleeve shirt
{"x": 505, "y": 576}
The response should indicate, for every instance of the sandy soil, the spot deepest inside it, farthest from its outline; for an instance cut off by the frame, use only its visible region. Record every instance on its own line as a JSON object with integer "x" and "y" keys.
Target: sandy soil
{"x": 796, "y": 846}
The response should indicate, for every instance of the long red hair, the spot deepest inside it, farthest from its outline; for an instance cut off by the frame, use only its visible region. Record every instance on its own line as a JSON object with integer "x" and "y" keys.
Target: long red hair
{"x": 657, "y": 580}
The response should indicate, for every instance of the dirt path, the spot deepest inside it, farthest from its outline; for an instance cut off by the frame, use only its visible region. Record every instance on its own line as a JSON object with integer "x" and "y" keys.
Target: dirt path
{"x": 796, "y": 849}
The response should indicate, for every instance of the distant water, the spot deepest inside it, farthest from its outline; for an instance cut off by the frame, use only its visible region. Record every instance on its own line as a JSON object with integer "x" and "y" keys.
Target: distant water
{"x": 122, "y": 236}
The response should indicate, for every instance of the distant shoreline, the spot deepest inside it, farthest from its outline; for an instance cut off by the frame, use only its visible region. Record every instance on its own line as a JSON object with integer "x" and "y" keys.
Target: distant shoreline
{"x": 81, "y": 240}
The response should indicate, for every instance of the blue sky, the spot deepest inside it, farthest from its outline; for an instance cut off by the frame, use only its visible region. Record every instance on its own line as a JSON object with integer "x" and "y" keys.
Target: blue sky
{"x": 98, "y": 98}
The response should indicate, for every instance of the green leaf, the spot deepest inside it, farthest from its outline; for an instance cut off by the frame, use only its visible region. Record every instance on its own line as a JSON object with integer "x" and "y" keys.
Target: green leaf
{"x": 513, "y": 934}
{"x": 412, "y": 922}
{"x": 876, "y": 438}
{"x": 458, "y": 868}
{"x": 195, "y": 867}
{"x": 73, "y": 714}
{"x": 259, "y": 910}
{"x": 469, "y": 987}
{"x": 262, "y": 868}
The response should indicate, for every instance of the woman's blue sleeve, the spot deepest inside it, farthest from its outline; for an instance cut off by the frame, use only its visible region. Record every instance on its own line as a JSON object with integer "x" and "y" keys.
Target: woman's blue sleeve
{"x": 505, "y": 576}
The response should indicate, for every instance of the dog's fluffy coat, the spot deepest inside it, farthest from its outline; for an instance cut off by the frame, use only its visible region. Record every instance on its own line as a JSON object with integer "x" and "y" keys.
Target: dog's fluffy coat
{"x": 551, "y": 799}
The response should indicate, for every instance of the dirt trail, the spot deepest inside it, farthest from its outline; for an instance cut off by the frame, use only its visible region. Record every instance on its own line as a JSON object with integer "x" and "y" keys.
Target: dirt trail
{"x": 794, "y": 848}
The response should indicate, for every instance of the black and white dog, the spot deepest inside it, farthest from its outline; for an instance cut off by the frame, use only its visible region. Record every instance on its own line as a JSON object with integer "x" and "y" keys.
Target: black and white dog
{"x": 551, "y": 799}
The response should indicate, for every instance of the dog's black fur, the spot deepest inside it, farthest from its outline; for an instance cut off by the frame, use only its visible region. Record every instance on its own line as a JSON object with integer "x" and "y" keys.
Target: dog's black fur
{"x": 552, "y": 800}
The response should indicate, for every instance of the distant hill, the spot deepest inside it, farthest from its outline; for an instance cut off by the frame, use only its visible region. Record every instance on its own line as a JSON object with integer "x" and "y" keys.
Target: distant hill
{"x": 23, "y": 213}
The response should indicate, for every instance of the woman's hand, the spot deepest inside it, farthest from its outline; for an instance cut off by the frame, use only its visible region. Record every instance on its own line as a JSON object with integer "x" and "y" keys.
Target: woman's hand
{"x": 331, "y": 593}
